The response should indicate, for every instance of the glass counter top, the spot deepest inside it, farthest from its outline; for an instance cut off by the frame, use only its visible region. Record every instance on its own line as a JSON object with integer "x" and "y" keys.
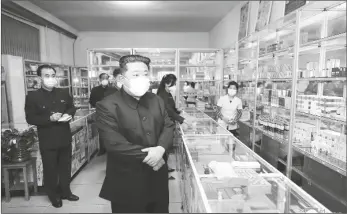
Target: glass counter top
{"x": 234, "y": 179}
{"x": 201, "y": 127}
{"x": 249, "y": 192}
{"x": 223, "y": 175}
{"x": 205, "y": 149}
{"x": 195, "y": 114}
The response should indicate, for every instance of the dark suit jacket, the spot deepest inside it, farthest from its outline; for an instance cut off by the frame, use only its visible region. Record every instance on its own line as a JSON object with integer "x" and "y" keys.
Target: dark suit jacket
{"x": 98, "y": 93}
{"x": 39, "y": 106}
{"x": 170, "y": 106}
{"x": 126, "y": 126}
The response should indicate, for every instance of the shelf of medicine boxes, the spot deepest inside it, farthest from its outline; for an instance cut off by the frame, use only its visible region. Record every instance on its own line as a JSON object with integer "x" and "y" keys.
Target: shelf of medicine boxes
{"x": 33, "y": 82}
{"x": 106, "y": 57}
{"x": 248, "y": 179}
{"x": 321, "y": 73}
{"x": 205, "y": 68}
{"x": 322, "y": 70}
{"x": 84, "y": 143}
{"x": 230, "y": 71}
{"x": 79, "y": 77}
{"x": 163, "y": 61}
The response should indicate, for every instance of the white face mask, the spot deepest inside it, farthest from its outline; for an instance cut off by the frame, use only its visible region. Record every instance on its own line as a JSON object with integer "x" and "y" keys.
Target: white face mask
{"x": 232, "y": 92}
{"x": 258, "y": 91}
{"x": 119, "y": 84}
{"x": 138, "y": 86}
{"x": 172, "y": 89}
{"x": 104, "y": 82}
{"x": 50, "y": 82}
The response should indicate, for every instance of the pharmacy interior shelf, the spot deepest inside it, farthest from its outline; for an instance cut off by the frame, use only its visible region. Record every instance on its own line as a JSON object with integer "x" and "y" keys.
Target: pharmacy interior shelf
{"x": 299, "y": 65}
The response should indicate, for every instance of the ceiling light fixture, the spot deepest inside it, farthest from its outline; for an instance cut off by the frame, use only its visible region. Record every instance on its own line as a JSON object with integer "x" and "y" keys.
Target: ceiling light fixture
{"x": 132, "y": 3}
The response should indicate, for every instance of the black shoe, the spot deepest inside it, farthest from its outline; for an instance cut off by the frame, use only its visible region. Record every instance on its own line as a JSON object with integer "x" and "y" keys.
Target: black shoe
{"x": 71, "y": 197}
{"x": 57, "y": 203}
{"x": 170, "y": 170}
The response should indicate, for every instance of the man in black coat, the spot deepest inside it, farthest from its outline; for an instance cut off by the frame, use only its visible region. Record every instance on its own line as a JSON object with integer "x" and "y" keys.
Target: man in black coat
{"x": 137, "y": 132}
{"x": 98, "y": 93}
{"x": 51, "y": 109}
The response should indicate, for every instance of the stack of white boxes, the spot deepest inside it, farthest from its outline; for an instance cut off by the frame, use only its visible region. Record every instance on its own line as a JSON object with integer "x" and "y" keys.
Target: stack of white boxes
{"x": 330, "y": 143}
{"x": 309, "y": 104}
{"x": 303, "y": 132}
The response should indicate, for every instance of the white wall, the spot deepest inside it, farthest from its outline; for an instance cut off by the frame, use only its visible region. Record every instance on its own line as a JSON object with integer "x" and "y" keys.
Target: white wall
{"x": 225, "y": 33}
{"x": 90, "y": 40}
{"x": 44, "y": 14}
{"x": 56, "y": 47}
{"x": 15, "y": 87}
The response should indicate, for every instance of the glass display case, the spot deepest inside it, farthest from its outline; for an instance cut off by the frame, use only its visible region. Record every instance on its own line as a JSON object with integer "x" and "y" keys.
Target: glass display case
{"x": 80, "y": 89}
{"x": 200, "y": 78}
{"x": 33, "y": 82}
{"x": 293, "y": 75}
{"x": 84, "y": 144}
{"x": 221, "y": 174}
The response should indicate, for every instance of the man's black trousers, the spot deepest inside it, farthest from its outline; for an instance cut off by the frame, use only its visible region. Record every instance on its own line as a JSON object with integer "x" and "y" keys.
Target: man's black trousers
{"x": 57, "y": 171}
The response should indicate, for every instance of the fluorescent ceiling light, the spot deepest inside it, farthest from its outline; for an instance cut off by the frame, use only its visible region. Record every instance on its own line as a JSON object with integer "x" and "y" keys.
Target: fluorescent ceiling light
{"x": 132, "y": 3}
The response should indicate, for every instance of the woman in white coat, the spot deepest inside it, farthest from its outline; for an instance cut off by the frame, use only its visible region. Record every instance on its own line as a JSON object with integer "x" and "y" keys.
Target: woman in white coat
{"x": 229, "y": 109}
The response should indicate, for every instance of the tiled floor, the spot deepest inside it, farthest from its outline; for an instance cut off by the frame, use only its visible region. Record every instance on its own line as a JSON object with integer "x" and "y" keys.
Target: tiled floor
{"x": 86, "y": 185}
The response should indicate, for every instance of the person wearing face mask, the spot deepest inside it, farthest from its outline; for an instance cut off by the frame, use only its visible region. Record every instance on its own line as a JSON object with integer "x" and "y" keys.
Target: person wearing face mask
{"x": 98, "y": 93}
{"x": 191, "y": 94}
{"x": 229, "y": 109}
{"x": 166, "y": 90}
{"x": 185, "y": 89}
{"x": 137, "y": 133}
{"x": 51, "y": 109}
{"x": 116, "y": 75}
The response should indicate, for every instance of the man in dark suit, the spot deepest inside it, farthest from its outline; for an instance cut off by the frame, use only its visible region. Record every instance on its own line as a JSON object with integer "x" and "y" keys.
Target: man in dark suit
{"x": 51, "y": 109}
{"x": 98, "y": 93}
{"x": 137, "y": 132}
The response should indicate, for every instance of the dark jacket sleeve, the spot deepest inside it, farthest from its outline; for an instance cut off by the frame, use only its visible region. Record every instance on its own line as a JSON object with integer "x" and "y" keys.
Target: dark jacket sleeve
{"x": 167, "y": 134}
{"x": 171, "y": 109}
{"x": 71, "y": 110}
{"x": 92, "y": 99}
{"x": 114, "y": 142}
{"x": 31, "y": 114}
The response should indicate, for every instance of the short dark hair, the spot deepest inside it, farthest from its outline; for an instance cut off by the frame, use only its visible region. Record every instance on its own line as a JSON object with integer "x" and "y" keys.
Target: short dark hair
{"x": 124, "y": 60}
{"x": 45, "y": 66}
{"x": 233, "y": 83}
{"x": 100, "y": 76}
{"x": 116, "y": 72}
{"x": 192, "y": 84}
{"x": 167, "y": 79}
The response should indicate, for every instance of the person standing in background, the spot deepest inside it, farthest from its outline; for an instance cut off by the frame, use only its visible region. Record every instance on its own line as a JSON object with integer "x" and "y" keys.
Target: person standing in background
{"x": 229, "y": 109}
{"x": 51, "y": 109}
{"x": 116, "y": 73}
{"x": 185, "y": 89}
{"x": 97, "y": 94}
{"x": 166, "y": 90}
{"x": 137, "y": 132}
{"x": 192, "y": 94}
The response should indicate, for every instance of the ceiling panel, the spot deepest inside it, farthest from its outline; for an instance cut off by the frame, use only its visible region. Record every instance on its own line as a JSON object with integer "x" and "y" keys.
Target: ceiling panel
{"x": 156, "y": 16}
